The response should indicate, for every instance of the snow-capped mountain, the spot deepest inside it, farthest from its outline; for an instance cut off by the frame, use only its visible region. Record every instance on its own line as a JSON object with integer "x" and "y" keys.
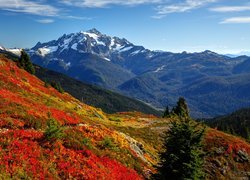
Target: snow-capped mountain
{"x": 91, "y": 41}
{"x": 15, "y": 51}
{"x": 87, "y": 56}
{"x": 211, "y": 83}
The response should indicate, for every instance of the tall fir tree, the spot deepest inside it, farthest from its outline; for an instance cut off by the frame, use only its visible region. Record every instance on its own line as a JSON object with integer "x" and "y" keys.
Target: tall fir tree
{"x": 182, "y": 155}
{"x": 166, "y": 112}
{"x": 24, "y": 62}
{"x": 181, "y": 109}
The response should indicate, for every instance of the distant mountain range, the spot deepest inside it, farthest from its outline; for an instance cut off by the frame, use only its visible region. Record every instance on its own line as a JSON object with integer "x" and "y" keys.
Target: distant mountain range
{"x": 243, "y": 53}
{"x": 212, "y": 84}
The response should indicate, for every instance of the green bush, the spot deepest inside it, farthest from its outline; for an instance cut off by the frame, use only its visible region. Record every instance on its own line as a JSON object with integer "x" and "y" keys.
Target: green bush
{"x": 54, "y": 131}
{"x": 87, "y": 143}
{"x": 107, "y": 143}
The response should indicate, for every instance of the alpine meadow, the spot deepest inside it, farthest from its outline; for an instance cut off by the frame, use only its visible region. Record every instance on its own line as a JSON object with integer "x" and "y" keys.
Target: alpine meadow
{"x": 124, "y": 90}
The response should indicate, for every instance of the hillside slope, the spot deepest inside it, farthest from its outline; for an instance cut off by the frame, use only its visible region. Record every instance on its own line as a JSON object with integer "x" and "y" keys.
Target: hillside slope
{"x": 108, "y": 101}
{"x": 46, "y": 134}
{"x": 236, "y": 123}
{"x": 85, "y": 150}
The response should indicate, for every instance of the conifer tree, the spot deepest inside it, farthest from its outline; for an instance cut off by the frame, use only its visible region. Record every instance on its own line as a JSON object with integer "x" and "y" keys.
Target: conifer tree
{"x": 166, "y": 113}
{"x": 24, "y": 62}
{"x": 60, "y": 89}
{"x": 181, "y": 109}
{"x": 57, "y": 86}
{"x": 46, "y": 83}
{"x": 182, "y": 155}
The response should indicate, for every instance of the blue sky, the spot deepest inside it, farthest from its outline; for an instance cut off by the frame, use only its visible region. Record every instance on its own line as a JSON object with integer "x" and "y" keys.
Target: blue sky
{"x": 172, "y": 25}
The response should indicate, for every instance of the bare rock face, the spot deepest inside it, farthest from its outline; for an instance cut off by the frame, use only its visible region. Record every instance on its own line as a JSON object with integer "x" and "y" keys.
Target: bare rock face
{"x": 136, "y": 146}
{"x": 242, "y": 156}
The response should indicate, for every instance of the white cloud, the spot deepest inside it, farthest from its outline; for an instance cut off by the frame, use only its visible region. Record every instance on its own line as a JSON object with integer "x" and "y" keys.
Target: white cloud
{"x": 158, "y": 16}
{"x": 77, "y": 17}
{"x": 185, "y": 6}
{"x": 104, "y": 3}
{"x": 29, "y": 7}
{"x": 236, "y": 20}
{"x": 45, "y": 21}
{"x": 230, "y": 9}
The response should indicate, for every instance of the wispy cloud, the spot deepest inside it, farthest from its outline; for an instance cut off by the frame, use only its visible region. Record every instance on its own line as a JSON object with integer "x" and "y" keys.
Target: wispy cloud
{"x": 184, "y": 6}
{"x": 77, "y": 17}
{"x": 105, "y": 3}
{"x": 45, "y": 21}
{"x": 231, "y": 9}
{"x": 29, "y": 7}
{"x": 236, "y": 20}
{"x": 163, "y": 7}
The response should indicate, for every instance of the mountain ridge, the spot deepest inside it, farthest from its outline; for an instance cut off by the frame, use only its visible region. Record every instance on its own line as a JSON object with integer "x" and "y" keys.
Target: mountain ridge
{"x": 115, "y": 64}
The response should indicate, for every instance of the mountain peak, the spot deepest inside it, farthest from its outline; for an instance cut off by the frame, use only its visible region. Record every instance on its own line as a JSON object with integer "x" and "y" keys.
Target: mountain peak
{"x": 91, "y": 41}
{"x": 209, "y": 52}
{"x": 2, "y": 48}
{"x": 94, "y": 31}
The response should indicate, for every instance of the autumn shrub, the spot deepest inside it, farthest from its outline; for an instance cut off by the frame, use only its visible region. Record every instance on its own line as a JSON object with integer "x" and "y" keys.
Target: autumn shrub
{"x": 4, "y": 175}
{"x": 31, "y": 122}
{"x": 74, "y": 139}
{"x": 63, "y": 117}
{"x": 116, "y": 119}
{"x": 10, "y": 123}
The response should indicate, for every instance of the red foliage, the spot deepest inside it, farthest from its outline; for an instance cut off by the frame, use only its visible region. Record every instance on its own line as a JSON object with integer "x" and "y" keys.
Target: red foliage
{"x": 26, "y": 152}
{"x": 86, "y": 165}
{"x": 15, "y": 97}
{"x": 63, "y": 117}
{"x": 21, "y": 152}
{"x": 230, "y": 143}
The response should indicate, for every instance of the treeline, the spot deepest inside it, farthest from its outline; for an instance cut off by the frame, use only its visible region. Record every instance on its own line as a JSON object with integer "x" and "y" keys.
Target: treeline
{"x": 55, "y": 85}
{"x": 237, "y": 123}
